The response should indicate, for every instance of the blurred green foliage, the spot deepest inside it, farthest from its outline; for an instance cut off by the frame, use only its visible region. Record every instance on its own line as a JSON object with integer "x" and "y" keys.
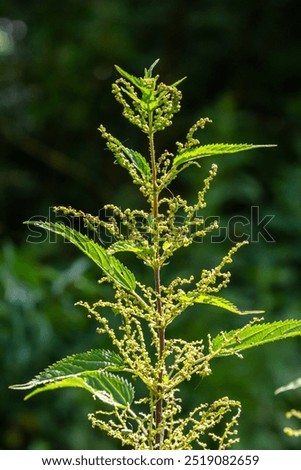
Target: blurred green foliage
{"x": 56, "y": 71}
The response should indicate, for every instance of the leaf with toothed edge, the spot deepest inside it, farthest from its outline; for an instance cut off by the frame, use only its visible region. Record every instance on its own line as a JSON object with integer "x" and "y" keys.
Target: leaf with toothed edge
{"x": 202, "y": 151}
{"x": 232, "y": 342}
{"x": 107, "y": 387}
{"x": 217, "y": 302}
{"x": 91, "y": 371}
{"x": 110, "y": 265}
{"x": 75, "y": 365}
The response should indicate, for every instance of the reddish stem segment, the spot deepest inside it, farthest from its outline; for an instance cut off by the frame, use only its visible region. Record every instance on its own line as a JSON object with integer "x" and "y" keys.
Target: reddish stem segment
{"x": 161, "y": 335}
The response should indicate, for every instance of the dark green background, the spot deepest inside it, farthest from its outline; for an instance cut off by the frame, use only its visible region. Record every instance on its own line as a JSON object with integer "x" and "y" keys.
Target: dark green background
{"x": 243, "y": 68}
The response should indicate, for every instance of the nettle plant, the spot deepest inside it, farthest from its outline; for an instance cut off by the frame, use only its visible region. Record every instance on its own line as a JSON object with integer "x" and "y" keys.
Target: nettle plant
{"x": 143, "y": 350}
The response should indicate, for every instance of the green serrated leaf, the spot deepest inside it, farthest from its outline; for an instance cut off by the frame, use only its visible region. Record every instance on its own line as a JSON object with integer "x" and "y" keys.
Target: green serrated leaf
{"x": 235, "y": 341}
{"x": 110, "y": 265}
{"x": 138, "y": 161}
{"x": 108, "y": 388}
{"x": 218, "y": 302}
{"x": 133, "y": 156}
{"x": 90, "y": 371}
{"x": 202, "y": 151}
{"x": 76, "y": 365}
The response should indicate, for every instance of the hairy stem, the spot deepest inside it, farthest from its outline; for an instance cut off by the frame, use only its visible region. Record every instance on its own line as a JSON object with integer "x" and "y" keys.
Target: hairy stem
{"x": 161, "y": 335}
{"x": 161, "y": 329}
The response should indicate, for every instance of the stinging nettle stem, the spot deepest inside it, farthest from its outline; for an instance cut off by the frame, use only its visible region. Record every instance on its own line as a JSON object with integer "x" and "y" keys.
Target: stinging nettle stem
{"x": 161, "y": 329}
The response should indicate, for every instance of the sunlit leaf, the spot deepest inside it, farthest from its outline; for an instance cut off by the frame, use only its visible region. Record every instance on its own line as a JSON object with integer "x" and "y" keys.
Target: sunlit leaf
{"x": 90, "y": 371}
{"x": 138, "y": 82}
{"x": 138, "y": 161}
{"x": 132, "y": 156}
{"x": 217, "y": 302}
{"x": 110, "y": 265}
{"x": 108, "y": 388}
{"x": 76, "y": 365}
{"x": 234, "y": 341}
{"x": 148, "y": 72}
{"x": 179, "y": 81}
{"x": 202, "y": 151}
